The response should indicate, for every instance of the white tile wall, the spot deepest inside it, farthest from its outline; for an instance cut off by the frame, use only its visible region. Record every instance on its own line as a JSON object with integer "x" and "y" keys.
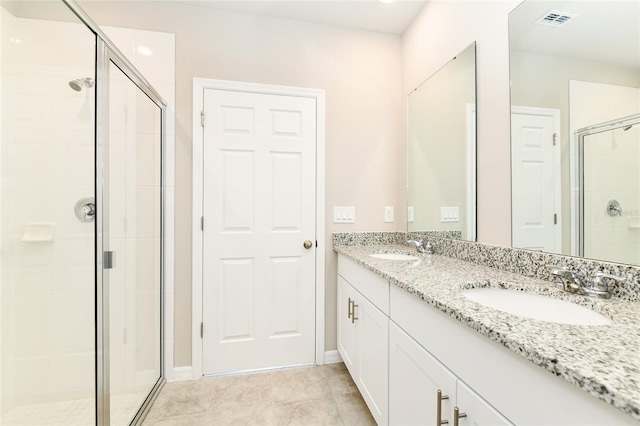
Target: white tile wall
{"x": 611, "y": 170}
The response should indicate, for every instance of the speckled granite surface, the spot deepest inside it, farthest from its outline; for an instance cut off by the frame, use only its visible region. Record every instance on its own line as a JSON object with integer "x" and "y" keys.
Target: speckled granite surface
{"x": 579, "y": 354}
{"x": 525, "y": 262}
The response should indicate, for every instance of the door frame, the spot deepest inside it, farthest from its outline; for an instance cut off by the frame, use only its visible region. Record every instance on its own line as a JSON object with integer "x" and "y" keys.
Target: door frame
{"x": 557, "y": 165}
{"x": 199, "y": 86}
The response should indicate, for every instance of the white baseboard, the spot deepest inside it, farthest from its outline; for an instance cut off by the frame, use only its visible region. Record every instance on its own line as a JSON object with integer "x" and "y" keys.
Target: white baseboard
{"x": 182, "y": 373}
{"x": 332, "y": 357}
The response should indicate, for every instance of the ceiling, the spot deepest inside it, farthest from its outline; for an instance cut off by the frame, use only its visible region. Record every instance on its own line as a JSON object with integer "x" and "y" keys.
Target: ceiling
{"x": 370, "y": 15}
{"x": 604, "y": 31}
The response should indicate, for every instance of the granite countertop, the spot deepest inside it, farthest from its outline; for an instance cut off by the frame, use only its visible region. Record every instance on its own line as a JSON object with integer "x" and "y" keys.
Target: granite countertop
{"x": 603, "y": 360}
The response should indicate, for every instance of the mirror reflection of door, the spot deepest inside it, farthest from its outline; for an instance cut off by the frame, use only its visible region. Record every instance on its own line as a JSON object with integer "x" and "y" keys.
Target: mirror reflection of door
{"x": 535, "y": 171}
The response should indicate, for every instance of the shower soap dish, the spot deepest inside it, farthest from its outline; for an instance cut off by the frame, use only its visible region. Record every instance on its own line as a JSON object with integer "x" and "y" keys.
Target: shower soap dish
{"x": 38, "y": 232}
{"x": 633, "y": 222}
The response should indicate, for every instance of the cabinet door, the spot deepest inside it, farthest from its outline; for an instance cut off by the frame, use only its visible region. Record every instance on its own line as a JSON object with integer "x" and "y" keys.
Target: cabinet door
{"x": 415, "y": 377}
{"x": 478, "y": 411}
{"x": 372, "y": 358}
{"x": 346, "y": 329}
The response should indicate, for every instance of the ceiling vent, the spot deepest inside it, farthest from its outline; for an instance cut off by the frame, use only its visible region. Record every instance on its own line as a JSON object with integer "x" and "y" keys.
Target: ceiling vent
{"x": 555, "y": 18}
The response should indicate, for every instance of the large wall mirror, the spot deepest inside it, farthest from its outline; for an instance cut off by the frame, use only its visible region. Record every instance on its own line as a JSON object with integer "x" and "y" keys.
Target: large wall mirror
{"x": 441, "y": 138}
{"x": 575, "y": 128}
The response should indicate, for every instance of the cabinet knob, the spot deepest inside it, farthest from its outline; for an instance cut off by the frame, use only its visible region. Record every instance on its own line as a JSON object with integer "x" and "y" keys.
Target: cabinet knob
{"x": 439, "y": 398}
{"x": 457, "y": 415}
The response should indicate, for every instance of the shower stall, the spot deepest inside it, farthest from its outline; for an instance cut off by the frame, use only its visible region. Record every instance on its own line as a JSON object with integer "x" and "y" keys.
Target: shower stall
{"x": 608, "y": 190}
{"x": 81, "y": 223}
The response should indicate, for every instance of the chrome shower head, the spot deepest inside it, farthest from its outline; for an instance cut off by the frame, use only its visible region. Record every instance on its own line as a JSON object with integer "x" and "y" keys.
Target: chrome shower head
{"x": 79, "y": 83}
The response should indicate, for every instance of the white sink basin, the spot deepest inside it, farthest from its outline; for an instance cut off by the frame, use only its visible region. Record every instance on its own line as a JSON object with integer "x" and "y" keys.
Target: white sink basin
{"x": 536, "y": 306}
{"x": 394, "y": 256}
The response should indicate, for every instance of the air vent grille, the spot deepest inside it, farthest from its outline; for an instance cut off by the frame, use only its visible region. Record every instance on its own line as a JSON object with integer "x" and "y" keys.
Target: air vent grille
{"x": 555, "y": 18}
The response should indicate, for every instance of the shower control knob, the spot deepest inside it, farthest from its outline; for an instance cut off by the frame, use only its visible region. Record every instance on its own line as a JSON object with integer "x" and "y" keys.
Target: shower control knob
{"x": 85, "y": 209}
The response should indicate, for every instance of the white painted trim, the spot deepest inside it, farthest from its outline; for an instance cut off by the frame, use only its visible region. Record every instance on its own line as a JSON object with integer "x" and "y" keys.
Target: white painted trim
{"x": 557, "y": 165}
{"x": 199, "y": 86}
{"x": 182, "y": 373}
{"x": 472, "y": 187}
{"x": 332, "y": 357}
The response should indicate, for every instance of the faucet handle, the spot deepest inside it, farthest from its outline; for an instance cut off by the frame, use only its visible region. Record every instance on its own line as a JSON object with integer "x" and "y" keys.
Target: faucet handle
{"x": 603, "y": 280}
{"x": 560, "y": 272}
{"x": 555, "y": 269}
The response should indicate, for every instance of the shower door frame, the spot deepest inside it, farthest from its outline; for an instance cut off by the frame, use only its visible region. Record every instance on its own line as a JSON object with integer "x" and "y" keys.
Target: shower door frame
{"x": 106, "y": 53}
{"x": 579, "y": 136}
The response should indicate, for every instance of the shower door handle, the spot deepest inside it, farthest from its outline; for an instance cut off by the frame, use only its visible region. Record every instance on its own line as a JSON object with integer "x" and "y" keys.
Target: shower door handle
{"x": 85, "y": 209}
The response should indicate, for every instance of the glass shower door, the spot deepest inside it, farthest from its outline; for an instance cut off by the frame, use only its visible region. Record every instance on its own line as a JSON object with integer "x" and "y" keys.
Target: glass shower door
{"x": 133, "y": 211}
{"x": 610, "y": 191}
{"x": 47, "y": 246}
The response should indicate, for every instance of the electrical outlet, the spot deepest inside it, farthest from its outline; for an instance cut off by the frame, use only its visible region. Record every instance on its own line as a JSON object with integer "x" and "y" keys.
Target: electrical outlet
{"x": 344, "y": 215}
{"x": 410, "y": 214}
{"x": 449, "y": 214}
{"x": 388, "y": 214}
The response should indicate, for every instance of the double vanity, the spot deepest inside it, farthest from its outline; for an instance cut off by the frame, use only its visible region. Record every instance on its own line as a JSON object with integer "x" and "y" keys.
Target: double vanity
{"x": 433, "y": 339}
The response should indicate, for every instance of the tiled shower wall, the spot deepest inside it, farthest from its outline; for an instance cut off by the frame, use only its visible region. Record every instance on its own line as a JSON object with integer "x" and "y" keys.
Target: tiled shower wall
{"x": 47, "y": 164}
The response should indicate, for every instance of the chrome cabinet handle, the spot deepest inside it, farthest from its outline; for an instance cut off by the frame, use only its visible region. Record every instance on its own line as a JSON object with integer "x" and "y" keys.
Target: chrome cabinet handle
{"x": 353, "y": 312}
{"x": 439, "y": 399}
{"x": 349, "y": 311}
{"x": 457, "y": 415}
{"x": 85, "y": 209}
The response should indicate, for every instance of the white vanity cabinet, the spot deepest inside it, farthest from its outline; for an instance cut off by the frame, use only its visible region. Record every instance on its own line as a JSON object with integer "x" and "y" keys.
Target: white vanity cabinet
{"x": 363, "y": 334}
{"x": 415, "y": 377}
{"x": 513, "y": 387}
{"x": 423, "y": 391}
{"x": 400, "y": 351}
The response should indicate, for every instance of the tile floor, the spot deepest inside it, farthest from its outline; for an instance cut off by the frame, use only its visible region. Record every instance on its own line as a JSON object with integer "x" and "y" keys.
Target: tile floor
{"x": 73, "y": 412}
{"x": 314, "y": 395}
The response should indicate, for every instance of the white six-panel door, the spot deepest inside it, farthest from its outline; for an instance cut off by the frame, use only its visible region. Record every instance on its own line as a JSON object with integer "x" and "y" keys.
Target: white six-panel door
{"x": 535, "y": 174}
{"x": 259, "y": 209}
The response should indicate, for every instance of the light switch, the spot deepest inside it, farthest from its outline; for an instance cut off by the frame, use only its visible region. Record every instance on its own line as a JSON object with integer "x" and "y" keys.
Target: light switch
{"x": 449, "y": 214}
{"x": 344, "y": 215}
{"x": 388, "y": 214}
{"x": 410, "y": 214}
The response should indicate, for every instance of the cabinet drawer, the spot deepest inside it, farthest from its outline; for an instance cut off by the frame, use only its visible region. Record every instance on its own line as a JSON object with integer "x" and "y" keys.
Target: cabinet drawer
{"x": 372, "y": 286}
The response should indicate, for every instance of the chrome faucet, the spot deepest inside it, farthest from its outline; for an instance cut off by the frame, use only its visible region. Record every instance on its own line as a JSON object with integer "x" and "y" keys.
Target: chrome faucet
{"x": 575, "y": 282}
{"x": 421, "y": 246}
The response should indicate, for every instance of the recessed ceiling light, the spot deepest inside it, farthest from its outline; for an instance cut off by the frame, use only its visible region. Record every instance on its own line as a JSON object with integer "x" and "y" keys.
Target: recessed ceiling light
{"x": 144, "y": 50}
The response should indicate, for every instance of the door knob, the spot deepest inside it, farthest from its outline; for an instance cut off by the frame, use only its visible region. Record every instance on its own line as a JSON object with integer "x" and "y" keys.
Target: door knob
{"x": 307, "y": 244}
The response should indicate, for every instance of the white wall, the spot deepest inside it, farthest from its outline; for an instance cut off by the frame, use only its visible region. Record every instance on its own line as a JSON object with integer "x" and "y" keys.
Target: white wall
{"x": 440, "y": 32}
{"x": 360, "y": 72}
